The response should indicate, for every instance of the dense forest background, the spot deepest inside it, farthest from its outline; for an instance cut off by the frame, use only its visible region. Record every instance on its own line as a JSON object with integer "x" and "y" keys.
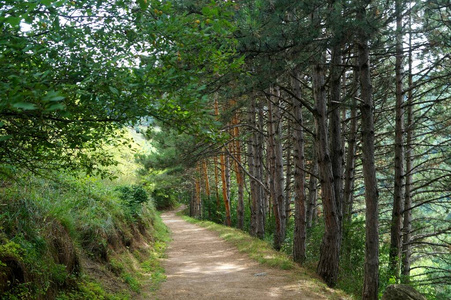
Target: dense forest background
{"x": 320, "y": 126}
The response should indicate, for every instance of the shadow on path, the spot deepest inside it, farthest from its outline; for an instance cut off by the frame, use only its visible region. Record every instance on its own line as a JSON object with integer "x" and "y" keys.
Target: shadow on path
{"x": 200, "y": 265}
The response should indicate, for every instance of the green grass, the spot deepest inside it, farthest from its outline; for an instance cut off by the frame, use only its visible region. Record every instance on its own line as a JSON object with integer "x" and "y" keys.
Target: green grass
{"x": 87, "y": 216}
{"x": 132, "y": 281}
{"x": 152, "y": 264}
{"x": 89, "y": 289}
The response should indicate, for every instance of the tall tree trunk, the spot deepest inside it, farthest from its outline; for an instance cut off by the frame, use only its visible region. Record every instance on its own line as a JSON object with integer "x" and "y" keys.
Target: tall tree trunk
{"x": 313, "y": 191}
{"x": 348, "y": 193}
{"x": 192, "y": 203}
{"x": 218, "y": 201}
{"x": 224, "y": 177}
{"x": 398, "y": 193}
{"x": 239, "y": 173}
{"x": 407, "y": 223}
{"x": 225, "y": 192}
{"x": 251, "y": 156}
{"x": 279, "y": 180}
{"x": 258, "y": 154}
{"x": 336, "y": 149}
{"x": 299, "y": 235}
{"x": 330, "y": 246}
{"x": 228, "y": 185}
{"x": 197, "y": 195}
{"x": 276, "y": 170}
{"x": 255, "y": 158}
{"x": 348, "y": 197}
{"x": 371, "y": 277}
{"x": 288, "y": 171}
{"x": 207, "y": 184}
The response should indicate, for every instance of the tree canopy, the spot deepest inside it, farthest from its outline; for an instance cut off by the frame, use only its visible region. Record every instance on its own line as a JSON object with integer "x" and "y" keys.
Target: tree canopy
{"x": 74, "y": 71}
{"x": 298, "y": 121}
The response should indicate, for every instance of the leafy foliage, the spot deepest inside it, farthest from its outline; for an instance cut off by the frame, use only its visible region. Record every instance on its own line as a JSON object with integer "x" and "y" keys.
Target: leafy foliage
{"x": 43, "y": 222}
{"x": 72, "y": 72}
{"x": 280, "y": 41}
{"x": 133, "y": 197}
{"x": 164, "y": 198}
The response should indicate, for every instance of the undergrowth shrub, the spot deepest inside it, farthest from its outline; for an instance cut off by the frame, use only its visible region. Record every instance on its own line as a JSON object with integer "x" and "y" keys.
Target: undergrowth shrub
{"x": 35, "y": 259}
{"x": 132, "y": 197}
{"x": 164, "y": 198}
{"x": 352, "y": 260}
{"x": 313, "y": 244}
{"x": 47, "y": 225}
{"x": 211, "y": 211}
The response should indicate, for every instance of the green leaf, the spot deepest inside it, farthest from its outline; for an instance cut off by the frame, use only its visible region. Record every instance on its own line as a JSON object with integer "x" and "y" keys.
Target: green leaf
{"x": 114, "y": 90}
{"x": 206, "y": 10}
{"x": 143, "y": 4}
{"x": 5, "y": 137}
{"x": 31, "y": 6}
{"x": 13, "y": 21}
{"x": 46, "y": 2}
{"x": 25, "y": 106}
{"x": 53, "y": 96}
{"x": 57, "y": 106}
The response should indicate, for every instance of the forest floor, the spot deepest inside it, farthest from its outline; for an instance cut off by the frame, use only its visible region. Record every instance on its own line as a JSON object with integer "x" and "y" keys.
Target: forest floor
{"x": 201, "y": 265}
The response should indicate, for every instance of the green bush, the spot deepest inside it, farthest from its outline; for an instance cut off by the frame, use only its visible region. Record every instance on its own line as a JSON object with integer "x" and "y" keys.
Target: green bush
{"x": 45, "y": 225}
{"x": 211, "y": 212}
{"x": 132, "y": 197}
{"x": 28, "y": 267}
{"x": 352, "y": 258}
{"x": 164, "y": 198}
{"x": 313, "y": 244}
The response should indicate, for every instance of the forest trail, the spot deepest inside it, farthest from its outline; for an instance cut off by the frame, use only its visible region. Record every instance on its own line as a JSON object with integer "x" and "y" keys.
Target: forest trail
{"x": 200, "y": 265}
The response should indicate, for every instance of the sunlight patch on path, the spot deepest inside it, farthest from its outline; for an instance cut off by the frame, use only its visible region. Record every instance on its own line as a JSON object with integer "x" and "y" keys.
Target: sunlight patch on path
{"x": 200, "y": 265}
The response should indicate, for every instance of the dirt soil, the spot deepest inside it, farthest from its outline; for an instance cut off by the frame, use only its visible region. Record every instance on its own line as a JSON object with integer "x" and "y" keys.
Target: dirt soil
{"x": 200, "y": 265}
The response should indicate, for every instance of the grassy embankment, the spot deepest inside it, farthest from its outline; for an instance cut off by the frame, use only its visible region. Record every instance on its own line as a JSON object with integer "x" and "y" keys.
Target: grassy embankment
{"x": 81, "y": 237}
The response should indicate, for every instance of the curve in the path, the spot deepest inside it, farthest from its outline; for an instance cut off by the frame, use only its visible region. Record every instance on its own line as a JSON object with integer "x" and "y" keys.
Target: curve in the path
{"x": 200, "y": 265}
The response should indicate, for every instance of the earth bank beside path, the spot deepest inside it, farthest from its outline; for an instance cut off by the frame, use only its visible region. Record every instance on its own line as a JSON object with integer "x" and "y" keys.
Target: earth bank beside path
{"x": 200, "y": 265}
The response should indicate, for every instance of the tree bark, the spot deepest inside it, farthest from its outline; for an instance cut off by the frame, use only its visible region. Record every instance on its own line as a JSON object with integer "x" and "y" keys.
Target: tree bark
{"x": 251, "y": 156}
{"x": 197, "y": 195}
{"x": 348, "y": 197}
{"x": 279, "y": 179}
{"x": 239, "y": 174}
{"x": 407, "y": 223}
{"x": 255, "y": 149}
{"x": 299, "y": 235}
{"x": 276, "y": 170}
{"x": 258, "y": 154}
{"x": 330, "y": 246}
{"x": 371, "y": 277}
{"x": 313, "y": 191}
{"x": 398, "y": 193}
{"x": 227, "y": 189}
{"x": 207, "y": 184}
{"x": 192, "y": 202}
{"x": 218, "y": 201}
{"x": 288, "y": 170}
{"x": 224, "y": 179}
{"x": 336, "y": 149}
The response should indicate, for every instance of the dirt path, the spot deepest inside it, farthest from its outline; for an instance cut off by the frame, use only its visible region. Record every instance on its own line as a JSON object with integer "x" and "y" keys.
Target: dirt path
{"x": 200, "y": 265}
